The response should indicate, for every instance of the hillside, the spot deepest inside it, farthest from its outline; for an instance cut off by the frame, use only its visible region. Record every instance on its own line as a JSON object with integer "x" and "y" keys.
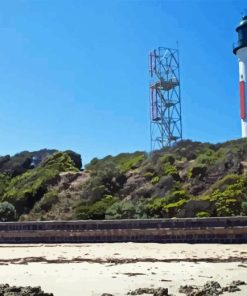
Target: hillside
{"x": 191, "y": 179}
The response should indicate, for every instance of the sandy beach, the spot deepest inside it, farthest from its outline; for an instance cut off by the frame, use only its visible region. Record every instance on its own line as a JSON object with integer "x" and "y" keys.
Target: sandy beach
{"x": 93, "y": 269}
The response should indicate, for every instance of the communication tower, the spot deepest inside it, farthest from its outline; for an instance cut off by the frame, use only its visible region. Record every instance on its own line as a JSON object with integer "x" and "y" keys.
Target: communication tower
{"x": 165, "y": 100}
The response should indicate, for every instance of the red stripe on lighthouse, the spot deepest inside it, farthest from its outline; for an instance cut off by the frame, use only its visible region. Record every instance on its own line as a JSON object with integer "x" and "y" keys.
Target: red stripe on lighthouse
{"x": 242, "y": 100}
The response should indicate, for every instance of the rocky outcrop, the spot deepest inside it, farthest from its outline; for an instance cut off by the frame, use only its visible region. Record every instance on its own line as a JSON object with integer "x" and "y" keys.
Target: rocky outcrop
{"x": 211, "y": 288}
{"x": 6, "y": 290}
{"x": 194, "y": 206}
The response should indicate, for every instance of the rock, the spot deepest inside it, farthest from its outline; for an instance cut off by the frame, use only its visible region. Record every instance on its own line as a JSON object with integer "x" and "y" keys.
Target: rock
{"x": 107, "y": 294}
{"x": 161, "y": 292}
{"x": 6, "y": 290}
{"x": 238, "y": 283}
{"x": 141, "y": 291}
{"x": 230, "y": 289}
{"x": 211, "y": 288}
{"x": 155, "y": 292}
{"x": 194, "y": 206}
{"x": 187, "y": 289}
{"x": 165, "y": 184}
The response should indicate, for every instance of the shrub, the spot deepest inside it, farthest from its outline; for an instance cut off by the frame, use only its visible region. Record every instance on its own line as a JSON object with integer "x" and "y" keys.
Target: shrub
{"x": 229, "y": 179}
{"x": 48, "y": 200}
{"x": 228, "y": 201}
{"x": 167, "y": 158}
{"x": 244, "y": 207}
{"x": 96, "y": 210}
{"x": 155, "y": 207}
{"x": 131, "y": 162}
{"x": 176, "y": 195}
{"x": 127, "y": 210}
{"x": 25, "y": 190}
{"x": 124, "y": 161}
{"x": 171, "y": 170}
{"x": 7, "y": 212}
{"x": 155, "y": 180}
{"x": 207, "y": 157}
{"x": 172, "y": 208}
{"x": 106, "y": 180}
{"x": 4, "y": 181}
{"x": 202, "y": 215}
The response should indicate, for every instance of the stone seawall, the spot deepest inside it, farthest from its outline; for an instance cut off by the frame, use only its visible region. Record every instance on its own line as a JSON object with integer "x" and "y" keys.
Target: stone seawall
{"x": 190, "y": 230}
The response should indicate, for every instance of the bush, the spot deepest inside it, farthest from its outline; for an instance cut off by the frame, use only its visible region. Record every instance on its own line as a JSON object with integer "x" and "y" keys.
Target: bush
{"x": 25, "y": 190}
{"x": 202, "y": 215}
{"x": 209, "y": 157}
{"x": 155, "y": 207}
{"x": 228, "y": 201}
{"x": 171, "y": 170}
{"x": 176, "y": 195}
{"x": 223, "y": 183}
{"x": 106, "y": 180}
{"x": 7, "y": 212}
{"x": 167, "y": 158}
{"x": 127, "y": 210}
{"x": 244, "y": 207}
{"x": 76, "y": 158}
{"x": 96, "y": 210}
{"x": 124, "y": 161}
{"x": 172, "y": 208}
{"x": 48, "y": 200}
{"x": 155, "y": 180}
{"x": 4, "y": 182}
{"x": 131, "y": 162}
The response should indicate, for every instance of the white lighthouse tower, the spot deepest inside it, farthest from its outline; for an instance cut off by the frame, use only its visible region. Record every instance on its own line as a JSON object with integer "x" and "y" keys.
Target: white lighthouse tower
{"x": 241, "y": 51}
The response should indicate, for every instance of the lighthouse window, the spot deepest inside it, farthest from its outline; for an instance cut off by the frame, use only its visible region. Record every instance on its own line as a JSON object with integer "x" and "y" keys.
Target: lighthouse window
{"x": 242, "y": 76}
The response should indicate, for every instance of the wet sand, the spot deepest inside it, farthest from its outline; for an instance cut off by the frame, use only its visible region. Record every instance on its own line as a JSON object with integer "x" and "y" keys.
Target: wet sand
{"x": 93, "y": 269}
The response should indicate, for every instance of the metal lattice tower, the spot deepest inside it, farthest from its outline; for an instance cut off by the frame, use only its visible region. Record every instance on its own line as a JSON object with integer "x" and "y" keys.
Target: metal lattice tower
{"x": 165, "y": 101}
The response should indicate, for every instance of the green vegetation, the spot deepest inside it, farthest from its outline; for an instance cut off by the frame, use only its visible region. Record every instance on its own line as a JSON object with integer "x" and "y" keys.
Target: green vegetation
{"x": 167, "y": 206}
{"x": 4, "y": 181}
{"x": 155, "y": 180}
{"x": 172, "y": 209}
{"x": 47, "y": 201}
{"x": 7, "y": 212}
{"x": 171, "y": 170}
{"x": 202, "y": 215}
{"x": 229, "y": 198}
{"x": 124, "y": 161}
{"x": 244, "y": 208}
{"x": 188, "y": 179}
{"x": 127, "y": 210}
{"x": 25, "y": 190}
{"x": 96, "y": 210}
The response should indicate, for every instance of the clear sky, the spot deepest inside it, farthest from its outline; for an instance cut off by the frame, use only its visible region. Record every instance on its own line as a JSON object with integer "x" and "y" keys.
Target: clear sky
{"x": 74, "y": 73}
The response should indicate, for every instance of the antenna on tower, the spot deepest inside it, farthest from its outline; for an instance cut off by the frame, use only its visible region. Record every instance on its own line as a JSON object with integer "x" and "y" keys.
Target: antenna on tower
{"x": 165, "y": 97}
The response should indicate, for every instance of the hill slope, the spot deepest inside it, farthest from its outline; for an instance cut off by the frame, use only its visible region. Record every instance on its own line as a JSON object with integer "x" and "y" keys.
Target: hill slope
{"x": 187, "y": 180}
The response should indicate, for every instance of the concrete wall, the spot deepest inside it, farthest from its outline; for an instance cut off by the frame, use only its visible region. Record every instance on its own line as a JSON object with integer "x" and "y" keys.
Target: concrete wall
{"x": 195, "y": 230}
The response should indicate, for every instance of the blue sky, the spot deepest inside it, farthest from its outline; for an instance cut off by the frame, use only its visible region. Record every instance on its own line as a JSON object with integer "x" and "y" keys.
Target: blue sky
{"x": 74, "y": 74}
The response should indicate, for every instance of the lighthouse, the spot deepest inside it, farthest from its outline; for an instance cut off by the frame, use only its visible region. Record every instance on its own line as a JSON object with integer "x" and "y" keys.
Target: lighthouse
{"x": 241, "y": 51}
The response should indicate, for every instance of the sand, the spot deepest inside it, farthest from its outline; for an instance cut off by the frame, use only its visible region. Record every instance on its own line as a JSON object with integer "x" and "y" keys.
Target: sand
{"x": 93, "y": 269}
